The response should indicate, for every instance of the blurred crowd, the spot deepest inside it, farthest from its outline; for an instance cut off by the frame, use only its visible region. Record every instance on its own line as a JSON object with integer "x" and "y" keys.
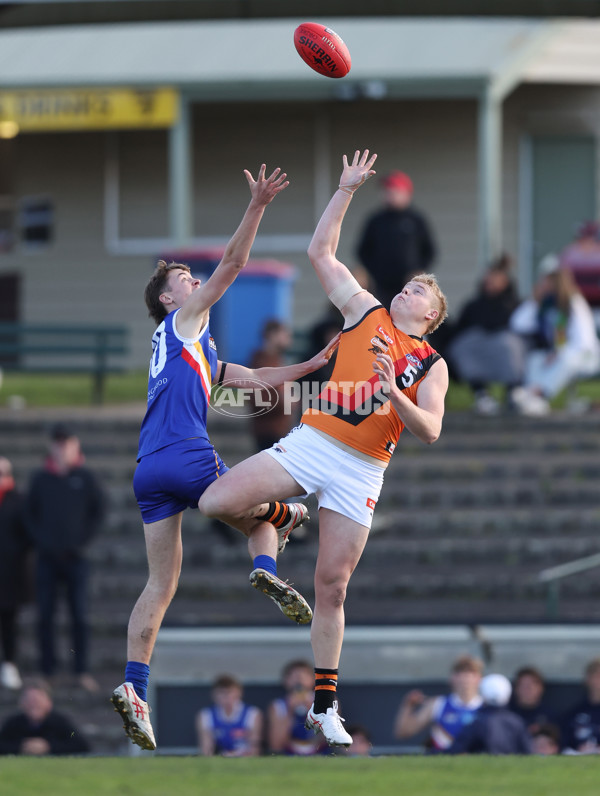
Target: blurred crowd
{"x": 44, "y": 536}
{"x": 480, "y": 714}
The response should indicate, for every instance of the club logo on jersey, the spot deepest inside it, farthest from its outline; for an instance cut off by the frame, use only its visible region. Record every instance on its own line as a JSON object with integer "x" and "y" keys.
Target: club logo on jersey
{"x": 371, "y": 503}
{"x": 390, "y": 446}
{"x": 212, "y": 344}
{"x": 381, "y": 331}
{"x": 414, "y": 361}
{"x": 379, "y": 346}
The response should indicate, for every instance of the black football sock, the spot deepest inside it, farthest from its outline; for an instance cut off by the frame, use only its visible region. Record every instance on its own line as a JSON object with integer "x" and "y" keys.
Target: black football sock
{"x": 325, "y": 689}
{"x": 277, "y": 514}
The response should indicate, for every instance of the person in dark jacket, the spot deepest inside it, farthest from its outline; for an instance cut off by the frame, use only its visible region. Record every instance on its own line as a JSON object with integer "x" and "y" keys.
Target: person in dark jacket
{"x": 13, "y": 577}
{"x": 64, "y": 508}
{"x": 581, "y": 725}
{"x": 397, "y": 242}
{"x": 39, "y": 729}
{"x": 528, "y": 699}
{"x": 495, "y": 730}
{"x": 483, "y": 349}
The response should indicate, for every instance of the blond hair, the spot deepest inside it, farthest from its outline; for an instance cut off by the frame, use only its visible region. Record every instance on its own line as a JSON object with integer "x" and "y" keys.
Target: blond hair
{"x": 442, "y": 303}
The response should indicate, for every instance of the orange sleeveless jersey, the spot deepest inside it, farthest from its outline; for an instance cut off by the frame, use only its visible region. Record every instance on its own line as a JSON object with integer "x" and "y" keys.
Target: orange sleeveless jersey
{"x": 352, "y": 406}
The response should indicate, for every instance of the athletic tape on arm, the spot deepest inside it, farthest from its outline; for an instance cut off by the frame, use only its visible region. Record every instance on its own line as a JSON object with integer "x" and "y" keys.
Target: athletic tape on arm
{"x": 342, "y": 294}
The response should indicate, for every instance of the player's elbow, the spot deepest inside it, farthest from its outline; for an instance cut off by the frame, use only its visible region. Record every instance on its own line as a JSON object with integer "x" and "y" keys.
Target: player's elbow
{"x": 313, "y": 252}
{"x": 431, "y": 436}
{"x": 234, "y": 264}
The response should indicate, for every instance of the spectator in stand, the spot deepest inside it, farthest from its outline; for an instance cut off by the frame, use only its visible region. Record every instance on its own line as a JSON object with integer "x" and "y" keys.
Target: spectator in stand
{"x": 528, "y": 700}
{"x": 64, "y": 508}
{"x": 560, "y": 326}
{"x": 580, "y": 727}
{"x": 270, "y": 427}
{"x": 13, "y": 572}
{"x": 361, "y": 745}
{"x": 39, "y": 729}
{"x": 582, "y": 258}
{"x": 229, "y": 727}
{"x": 286, "y": 733}
{"x": 445, "y": 716}
{"x": 483, "y": 350}
{"x": 397, "y": 242}
{"x": 546, "y": 740}
{"x": 495, "y": 730}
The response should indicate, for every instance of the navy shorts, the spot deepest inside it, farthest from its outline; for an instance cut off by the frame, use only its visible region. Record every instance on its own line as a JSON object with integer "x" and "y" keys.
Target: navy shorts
{"x": 173, "y": 478}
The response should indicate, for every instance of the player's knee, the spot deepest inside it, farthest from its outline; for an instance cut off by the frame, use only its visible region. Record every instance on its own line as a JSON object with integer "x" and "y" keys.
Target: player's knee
{"x": 331, "y": 591}
{"x": 164, "y": 587}
{"x": 211, "y": 504}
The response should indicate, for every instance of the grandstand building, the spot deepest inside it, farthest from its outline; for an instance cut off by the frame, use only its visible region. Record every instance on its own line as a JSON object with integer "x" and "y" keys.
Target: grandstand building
{"x": 123, "y": 140}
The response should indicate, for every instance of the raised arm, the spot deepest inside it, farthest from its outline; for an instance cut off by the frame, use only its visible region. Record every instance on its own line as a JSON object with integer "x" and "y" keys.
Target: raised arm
{"x": 194, "y": 312}
{"x": 339, "y": 284}
{"x": 414, "y": 714}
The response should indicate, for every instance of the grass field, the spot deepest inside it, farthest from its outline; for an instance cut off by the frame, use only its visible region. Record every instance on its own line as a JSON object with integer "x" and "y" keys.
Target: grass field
{"x": 405, "y": 776}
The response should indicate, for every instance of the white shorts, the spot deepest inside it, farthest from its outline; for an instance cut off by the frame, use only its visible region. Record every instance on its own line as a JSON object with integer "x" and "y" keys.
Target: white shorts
{"x": 341, "y": 482}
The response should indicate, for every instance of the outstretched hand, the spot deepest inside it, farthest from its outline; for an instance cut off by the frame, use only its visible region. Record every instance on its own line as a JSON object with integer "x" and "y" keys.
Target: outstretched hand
{"x": 358, "y": 171}
{"x": 323, "y": 357}
{"x": 264, "y": 190}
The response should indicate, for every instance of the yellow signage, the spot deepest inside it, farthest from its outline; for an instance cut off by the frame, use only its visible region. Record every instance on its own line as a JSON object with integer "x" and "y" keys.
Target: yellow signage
{"x": 88, "y": 109}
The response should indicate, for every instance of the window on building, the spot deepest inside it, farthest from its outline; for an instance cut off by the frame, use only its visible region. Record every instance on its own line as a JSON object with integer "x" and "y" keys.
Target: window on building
{"x": 7, "y": 224}
{"x": 36, "y": 221}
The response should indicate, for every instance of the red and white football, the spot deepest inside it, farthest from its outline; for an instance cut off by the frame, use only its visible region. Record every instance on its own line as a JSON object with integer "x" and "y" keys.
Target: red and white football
{"x": 322, "y": 49}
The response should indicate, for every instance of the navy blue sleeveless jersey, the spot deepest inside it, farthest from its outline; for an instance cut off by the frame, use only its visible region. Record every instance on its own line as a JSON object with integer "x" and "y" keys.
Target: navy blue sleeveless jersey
{"x": 179, "y": 384}
{"x": 231, "y": 733}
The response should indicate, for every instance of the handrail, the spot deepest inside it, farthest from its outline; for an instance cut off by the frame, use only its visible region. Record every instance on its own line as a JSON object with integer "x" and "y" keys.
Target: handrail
{"x": 570, "y": 568}
{"x": 553, "y": 575}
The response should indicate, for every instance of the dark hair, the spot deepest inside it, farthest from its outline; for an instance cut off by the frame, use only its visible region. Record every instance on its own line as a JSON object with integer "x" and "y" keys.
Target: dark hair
{"x": 359, "y": 729}
{"x": 503, "y": 263}
{"x": 157, "y": 285}
{"x": 592, "y": 667}
{"x": 272, "y": 325}
{"x": 227, "y": 681}
{"x": 297, "y": 664}
{"x": 548, "y": 731}
{"x": 530, "y": 671}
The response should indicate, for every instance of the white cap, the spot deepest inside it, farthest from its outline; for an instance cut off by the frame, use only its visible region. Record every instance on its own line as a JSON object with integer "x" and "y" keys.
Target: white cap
{"x": 495, "y": 689}
{"x": 549, "y": 264}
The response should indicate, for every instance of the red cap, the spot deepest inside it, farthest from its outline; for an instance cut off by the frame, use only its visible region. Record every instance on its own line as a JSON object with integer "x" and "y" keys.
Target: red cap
{"x": 398, "y": 179}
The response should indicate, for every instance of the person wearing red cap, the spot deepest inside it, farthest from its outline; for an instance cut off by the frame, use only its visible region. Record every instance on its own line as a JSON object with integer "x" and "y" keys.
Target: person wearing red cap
{"x": 396, "y": 242}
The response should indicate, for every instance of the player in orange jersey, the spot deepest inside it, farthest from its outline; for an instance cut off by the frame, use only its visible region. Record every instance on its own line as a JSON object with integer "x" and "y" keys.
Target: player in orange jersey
{"x": 386, "y": 377}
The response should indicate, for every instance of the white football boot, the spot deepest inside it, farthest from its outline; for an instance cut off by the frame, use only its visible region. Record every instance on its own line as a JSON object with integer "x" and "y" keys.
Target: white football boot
{"x": 135, "y": 714}
{"x": 330, "y": 724}
{"x": 298, "y": 515}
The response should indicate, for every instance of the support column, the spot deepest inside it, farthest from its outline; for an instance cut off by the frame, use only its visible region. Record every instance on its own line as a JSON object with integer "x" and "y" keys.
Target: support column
{"x": 181, "y": 189}
{"x": 490, "y": 176}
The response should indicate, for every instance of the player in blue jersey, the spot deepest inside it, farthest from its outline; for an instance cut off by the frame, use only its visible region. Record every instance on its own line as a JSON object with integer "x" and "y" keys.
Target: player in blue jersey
{"x": 176, "y": 460}
{"x": 444, "y": 716}
{"x": 229, "y": 727}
